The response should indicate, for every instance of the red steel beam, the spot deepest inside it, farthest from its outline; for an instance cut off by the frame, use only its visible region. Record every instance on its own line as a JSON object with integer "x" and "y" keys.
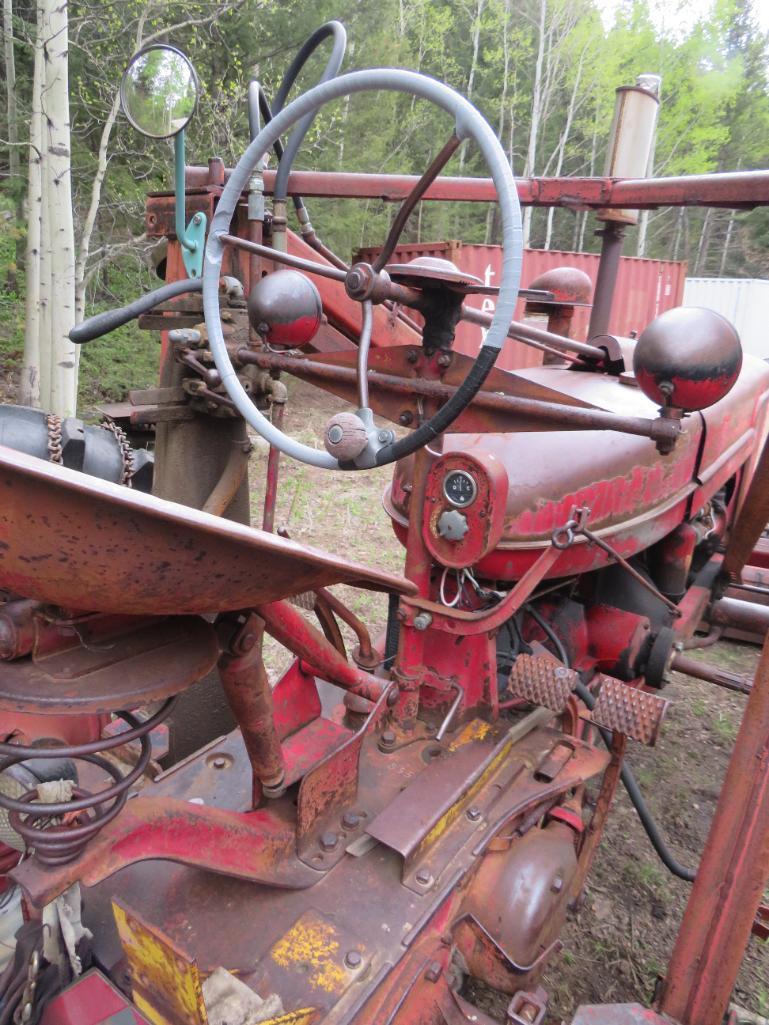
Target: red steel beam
{"x": 733, "y": 189}
{"x": 731, "y": 877}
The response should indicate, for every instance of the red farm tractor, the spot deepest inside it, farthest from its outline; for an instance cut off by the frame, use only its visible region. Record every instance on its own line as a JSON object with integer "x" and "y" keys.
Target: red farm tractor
{"x": 349, "y": 846}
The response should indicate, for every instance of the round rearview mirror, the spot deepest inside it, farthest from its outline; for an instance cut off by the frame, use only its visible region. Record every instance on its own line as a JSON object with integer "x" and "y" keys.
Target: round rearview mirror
{"x": 159, "y": 91}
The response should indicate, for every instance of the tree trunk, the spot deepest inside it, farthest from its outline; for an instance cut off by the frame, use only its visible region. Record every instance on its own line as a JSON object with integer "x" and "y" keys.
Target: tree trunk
{"x": 562, "y": 143}
{"x": 61, "y": 232}
{"x": 536, "y": 113}
{"x": 473, "y": 66}
{"x": 727, "y": 244}
{"x": 493, "y": 207}
{"x": 36, "y": 350}
{"x": 14, "y": 164}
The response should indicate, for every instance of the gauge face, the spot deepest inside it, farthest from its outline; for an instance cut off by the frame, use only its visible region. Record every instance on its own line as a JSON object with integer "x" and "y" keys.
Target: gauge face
{"x": 460, "y": 488}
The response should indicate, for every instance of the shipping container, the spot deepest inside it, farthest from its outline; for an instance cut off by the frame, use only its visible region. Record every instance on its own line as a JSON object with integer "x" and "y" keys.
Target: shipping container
{"x": 645, "y": 288}
{"x": 743, "y": 301}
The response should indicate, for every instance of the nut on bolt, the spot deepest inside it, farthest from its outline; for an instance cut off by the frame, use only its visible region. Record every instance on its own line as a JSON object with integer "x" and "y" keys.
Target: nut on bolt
{"x": 387, "y": 740}
{"x": 422, "y": 620}
{"x": 328, "y": 841}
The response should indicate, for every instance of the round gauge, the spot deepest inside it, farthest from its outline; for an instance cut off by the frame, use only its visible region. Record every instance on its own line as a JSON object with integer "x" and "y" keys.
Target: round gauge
{"x": 460, "y": 488}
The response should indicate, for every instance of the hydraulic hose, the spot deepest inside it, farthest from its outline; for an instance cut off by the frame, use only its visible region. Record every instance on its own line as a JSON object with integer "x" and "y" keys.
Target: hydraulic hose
{"x": 286, "y": 156}
{"x": 651, "y": 828}
{"x": 105, "y": 322}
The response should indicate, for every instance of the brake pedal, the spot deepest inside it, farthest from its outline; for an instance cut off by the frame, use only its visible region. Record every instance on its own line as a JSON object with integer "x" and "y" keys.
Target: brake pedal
{"x": 636, "y": 713}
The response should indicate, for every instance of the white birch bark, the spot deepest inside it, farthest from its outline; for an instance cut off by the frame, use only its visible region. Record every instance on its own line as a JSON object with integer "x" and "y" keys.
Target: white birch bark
{"x": 58, "y": 192}
{"x": 536, "y": 112}
{"x": 10, "y": 92}
{"x": 35, "y": 347}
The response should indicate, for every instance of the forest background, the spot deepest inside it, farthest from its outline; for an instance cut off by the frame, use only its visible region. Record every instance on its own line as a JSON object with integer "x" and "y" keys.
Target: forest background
{"x": 543, "y": 72}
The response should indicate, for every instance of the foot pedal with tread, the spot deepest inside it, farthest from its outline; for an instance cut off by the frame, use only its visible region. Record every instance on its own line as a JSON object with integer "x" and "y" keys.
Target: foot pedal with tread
{"x": 635, "y": 713}
{"x": 542, "y": 680}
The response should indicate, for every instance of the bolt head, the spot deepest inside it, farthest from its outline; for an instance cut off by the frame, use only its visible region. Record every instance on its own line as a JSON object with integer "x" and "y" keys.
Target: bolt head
{"x": 557, "y": 885}
{"x": 434, "y": 971}
{"x": 406, "y": 418}
{"x": 387, "y": 739}
{"x": 353, "y": 959}
{"x": 473, "y": 814}
{"x": 328, "y": 841}
{"x": 219, "y": 763}
{"x": 423, "y": 877}
{"x": 422, "y": 621}
{"x": 350, "y": 820}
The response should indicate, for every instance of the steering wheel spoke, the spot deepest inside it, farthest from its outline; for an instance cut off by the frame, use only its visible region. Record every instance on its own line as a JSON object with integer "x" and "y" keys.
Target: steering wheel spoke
{"x": 371, "y": 284}
{"x": 409, "y": 203}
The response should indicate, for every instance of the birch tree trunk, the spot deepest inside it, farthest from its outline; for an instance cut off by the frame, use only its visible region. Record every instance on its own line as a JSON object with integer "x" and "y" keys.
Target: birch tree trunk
{"x": 36, "y": 349}
{"x": 562, "y": 143}
{"x": 473, "y": 66}
{"x": 61, "y": 231}
{"x": 10, "y": 94}
{"x": 536, "y": 113}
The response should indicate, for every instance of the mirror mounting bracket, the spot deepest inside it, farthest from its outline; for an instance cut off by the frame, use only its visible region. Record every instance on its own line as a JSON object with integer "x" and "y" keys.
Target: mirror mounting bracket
{"x": 192, "y": 236}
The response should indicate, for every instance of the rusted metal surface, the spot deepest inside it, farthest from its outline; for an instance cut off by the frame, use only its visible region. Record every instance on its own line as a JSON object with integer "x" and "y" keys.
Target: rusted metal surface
{"x": 286, "y": 624}
{"x": 124, "y": 667}
{"x": 516, "y": 905}
{"x": 247, "y": 688}
{"x": 731, "y": 877}
{"x": 630, "y": 711}
{"x": 644, "y": 289}
{"x": 751, "y": 519}
{"x": 542, "y": 681}
{"x": 116, "y": 550}
{"x": 740, "y": 615}
{"x": 737, "y": 189}
{"x": 712, "y": 674}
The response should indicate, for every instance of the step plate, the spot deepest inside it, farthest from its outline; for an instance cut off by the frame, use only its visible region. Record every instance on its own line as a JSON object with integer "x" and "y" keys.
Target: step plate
{"x": 542, "y": 680}
{"x": 636, "y": 713}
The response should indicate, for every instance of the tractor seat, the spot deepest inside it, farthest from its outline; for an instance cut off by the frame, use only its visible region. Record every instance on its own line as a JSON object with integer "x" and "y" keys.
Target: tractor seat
{"x": 84, "y": 544}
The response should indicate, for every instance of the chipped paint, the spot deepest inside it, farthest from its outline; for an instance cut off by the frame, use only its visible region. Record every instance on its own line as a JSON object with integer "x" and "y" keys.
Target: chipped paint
{"x": 311, "y": 946}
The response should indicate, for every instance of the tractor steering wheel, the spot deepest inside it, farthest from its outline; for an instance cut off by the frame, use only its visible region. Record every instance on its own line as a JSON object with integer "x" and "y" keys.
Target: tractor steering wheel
{"x": 468, "y": 124}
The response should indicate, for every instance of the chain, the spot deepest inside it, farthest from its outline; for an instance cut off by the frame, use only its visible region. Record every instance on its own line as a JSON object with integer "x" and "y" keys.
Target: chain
{"x": 126, "y": 451}
{"x": 53, "y": 423}
{"x": 25, "y": 1007}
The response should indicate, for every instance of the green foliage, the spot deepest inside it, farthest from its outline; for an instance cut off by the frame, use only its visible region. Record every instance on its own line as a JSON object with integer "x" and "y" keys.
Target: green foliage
{"x": 714, "y": 116}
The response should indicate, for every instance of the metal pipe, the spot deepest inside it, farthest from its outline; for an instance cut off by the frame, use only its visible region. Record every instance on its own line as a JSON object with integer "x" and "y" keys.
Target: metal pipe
{"x": 536, "y": 335}
{"x": 226, "y": 488}
{"x": 273, "y": 461}
{"x": 567, "y": 417}
{"x": 613, "y": 235}
{"x": 740, "y": 615}
{"x": 288, "y": 626}
{"x": 711, "y": 674}
{"x": 248, "y": 692}
{"x": 731, "y": 877}
{"x": 737, "y": 189}
{"x": 366, "y": 654}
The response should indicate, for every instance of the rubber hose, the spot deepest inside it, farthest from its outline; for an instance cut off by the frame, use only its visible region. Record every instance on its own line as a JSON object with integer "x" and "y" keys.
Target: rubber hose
{"x": 333, "y": 29}
{"x": 103, "y": 323}
{"x": 651, "y": 828}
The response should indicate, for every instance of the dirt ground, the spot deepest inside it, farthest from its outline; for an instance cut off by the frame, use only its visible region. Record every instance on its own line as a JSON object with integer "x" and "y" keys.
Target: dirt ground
{"x": 618, "y": 944}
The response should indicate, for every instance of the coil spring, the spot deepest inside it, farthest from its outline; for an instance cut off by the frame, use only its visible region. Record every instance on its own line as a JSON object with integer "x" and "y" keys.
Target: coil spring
{"x": 39, "y": 824}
